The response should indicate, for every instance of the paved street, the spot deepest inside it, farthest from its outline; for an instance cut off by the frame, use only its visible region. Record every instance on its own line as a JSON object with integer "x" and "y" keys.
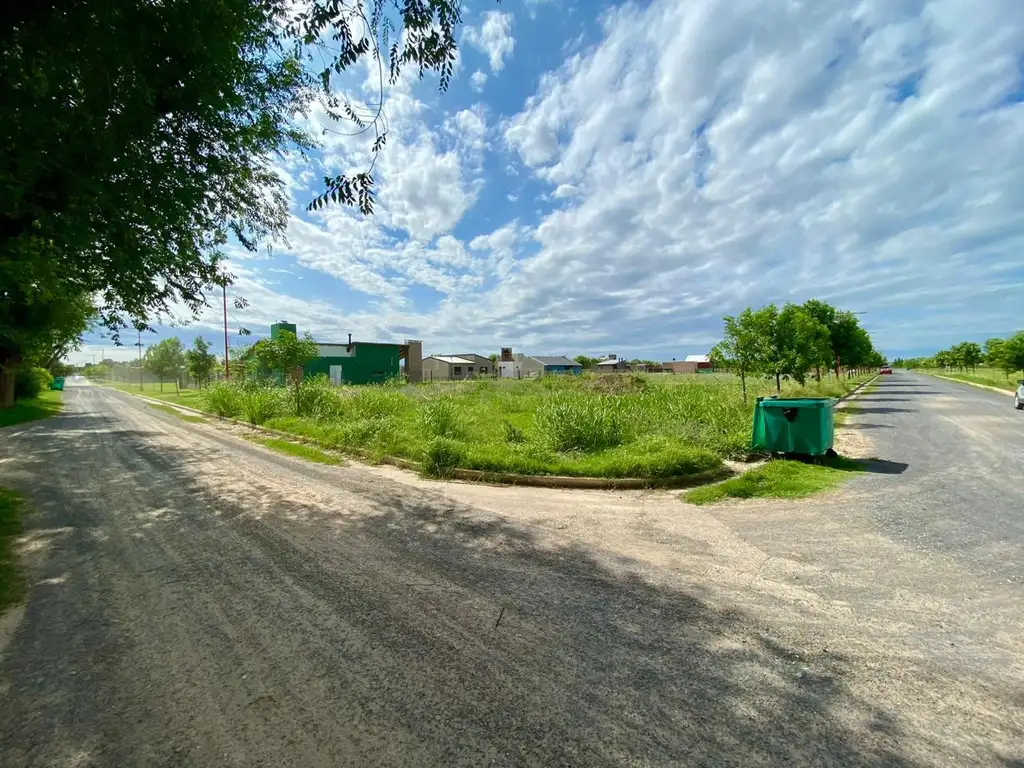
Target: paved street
{"x": 198, "y": 600}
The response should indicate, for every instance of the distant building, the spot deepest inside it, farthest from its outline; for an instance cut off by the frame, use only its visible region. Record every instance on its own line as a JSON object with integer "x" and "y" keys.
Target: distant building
{"x": 611, "y": 365}
{"x": 692, "y": 364}
{"x": 360, "y": 362}
{"x": 544, "y": 365}
{"x": 455, "y": 367}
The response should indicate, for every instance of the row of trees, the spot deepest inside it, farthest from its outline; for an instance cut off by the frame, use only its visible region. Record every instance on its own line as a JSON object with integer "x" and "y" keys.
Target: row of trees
{"x": 139, "y": 138}
{"x": 1004, "y": 354}
{"x": 793, "y": 341}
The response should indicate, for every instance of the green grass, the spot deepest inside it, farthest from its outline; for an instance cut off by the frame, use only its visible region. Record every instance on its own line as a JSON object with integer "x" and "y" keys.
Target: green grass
{"x": 297, "y": 449}
{"x": 614, "y": 426}
{"x": 990, "y": 377}
{"x": 12, "y": 583}
{"x": 778, "y": 479}
{"x": 47, "y": 404}
{"x": 189, "y": 397}
{"x": 190, "y": 418}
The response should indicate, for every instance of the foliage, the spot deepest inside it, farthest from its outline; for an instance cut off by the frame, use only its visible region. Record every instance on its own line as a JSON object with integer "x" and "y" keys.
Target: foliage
{"x": 48, "y": 403}
{"x": 575, "y": 421}
{"x": 1002, "y": 354}
{"x": 441, "y": 455}
{"x": 164, "y": 359}
{"x": 319, "y": 398}
{"x": 30, "y": 382}
{"x": 668, "y": 427}
{"x": 260, "y": 402}
{"x": 199, "y": 361}
{"x": 223, "y": 399}
{"x": 286, "y": 354}
{"x": 788, "y": 343}
{"x": 440, "y": 417}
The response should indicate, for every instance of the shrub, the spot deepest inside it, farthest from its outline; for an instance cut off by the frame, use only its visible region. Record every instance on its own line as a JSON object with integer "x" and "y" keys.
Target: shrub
{"x": 578, "y": 421}
{"x": 262, "y": 402}
{"x": 512, "y": 433}
{"x": 223, "y": 399}
{"x": 29, "y": 382}
{"x": 319, "y": 398}
{"x": 378, "y": 401}
{"x": 441, "y": 417}
{"x": 441, "y": 455}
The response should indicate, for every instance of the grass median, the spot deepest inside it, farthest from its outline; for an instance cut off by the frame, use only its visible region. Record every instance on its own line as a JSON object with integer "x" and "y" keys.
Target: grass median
{"x": 190, "y": 397}
{"x": 48, "y": 403}
{"x": 988, "y": 377}
{"x": 778, "y": 479}
{"x": 617, "y": 426}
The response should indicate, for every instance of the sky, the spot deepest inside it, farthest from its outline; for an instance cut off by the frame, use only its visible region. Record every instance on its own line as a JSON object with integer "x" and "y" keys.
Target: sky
{"x": 607, "y": 178}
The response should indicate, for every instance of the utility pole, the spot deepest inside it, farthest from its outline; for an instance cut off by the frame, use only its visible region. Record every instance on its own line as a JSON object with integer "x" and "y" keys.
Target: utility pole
{"x": 139, "y": 345}
{"x": 227, "y": 367}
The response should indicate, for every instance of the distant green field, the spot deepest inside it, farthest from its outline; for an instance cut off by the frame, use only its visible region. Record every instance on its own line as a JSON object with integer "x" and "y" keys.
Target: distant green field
{"x": 189, "y": 397}
{"x": 591, "y": 426}
{"x": 987, "y": 376}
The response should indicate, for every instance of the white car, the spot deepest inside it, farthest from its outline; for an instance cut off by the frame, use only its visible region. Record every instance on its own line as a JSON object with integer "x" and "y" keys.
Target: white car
{"x": 1018, "y": 396}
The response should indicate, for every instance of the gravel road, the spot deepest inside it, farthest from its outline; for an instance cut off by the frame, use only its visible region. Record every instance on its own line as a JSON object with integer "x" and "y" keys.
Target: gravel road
{"x": 196, "y": 600}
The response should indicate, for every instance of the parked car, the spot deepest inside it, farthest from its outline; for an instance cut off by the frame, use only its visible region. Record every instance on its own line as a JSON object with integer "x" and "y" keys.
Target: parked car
{"x": 885, "y": 369}
{"x": 1018, "y": 396}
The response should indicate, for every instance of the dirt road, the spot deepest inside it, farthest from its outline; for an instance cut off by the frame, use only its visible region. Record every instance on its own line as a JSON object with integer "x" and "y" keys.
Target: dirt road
{"x": 196, "y": 600}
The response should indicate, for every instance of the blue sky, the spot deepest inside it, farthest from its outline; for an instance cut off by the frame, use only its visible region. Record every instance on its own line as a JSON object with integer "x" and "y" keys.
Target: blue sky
{"x": 614, "y": 178}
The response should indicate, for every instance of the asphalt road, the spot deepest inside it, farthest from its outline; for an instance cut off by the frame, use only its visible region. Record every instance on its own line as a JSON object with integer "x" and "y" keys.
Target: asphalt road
{"x": 196, "y": 600}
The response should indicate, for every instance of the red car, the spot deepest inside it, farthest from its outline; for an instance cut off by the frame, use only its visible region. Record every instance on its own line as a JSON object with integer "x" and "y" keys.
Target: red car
{"x": 885, "y": 369}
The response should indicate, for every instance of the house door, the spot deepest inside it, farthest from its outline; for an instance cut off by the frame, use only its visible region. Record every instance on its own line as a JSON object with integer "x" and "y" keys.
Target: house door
{"x": 336, "y": 377}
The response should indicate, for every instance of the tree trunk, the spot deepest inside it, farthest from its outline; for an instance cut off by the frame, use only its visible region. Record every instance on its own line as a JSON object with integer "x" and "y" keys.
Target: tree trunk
{"x": 778, "y": 383}
{"x": 7, "y": 372}
{"x": 817, "y": 373}
{"x": 743, "y": 383}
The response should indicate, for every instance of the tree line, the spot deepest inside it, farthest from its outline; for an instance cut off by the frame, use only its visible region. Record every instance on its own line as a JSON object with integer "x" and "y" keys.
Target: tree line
{"x": 139, "y": 138}
{"x": 794, "y": 341}
{"x": 1004, "y": 354}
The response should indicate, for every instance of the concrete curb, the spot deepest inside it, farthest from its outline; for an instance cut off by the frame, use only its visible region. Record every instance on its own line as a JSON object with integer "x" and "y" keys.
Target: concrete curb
{"x": 1008, "y": 393}
{"x": 483, "y": 476}
{"x": 853, "y": 393}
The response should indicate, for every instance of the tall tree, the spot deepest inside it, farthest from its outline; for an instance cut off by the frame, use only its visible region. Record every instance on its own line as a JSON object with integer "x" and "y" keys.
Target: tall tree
{"x": 745, "y": 347}
{"x": 164, "y": 359}
{"x": 286, "y": 354}
{"x": 139, "y": 137}
{"x": 801, "y": 342}
{"x": 200, "y": 361}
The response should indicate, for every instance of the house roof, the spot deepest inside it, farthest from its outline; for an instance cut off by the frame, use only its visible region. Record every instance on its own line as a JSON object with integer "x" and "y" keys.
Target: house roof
{"x": 558, "y": 360}
{"x": 698, "y": 359}
{"x": 450, "y": 359}
{"x": 611, "y": 362}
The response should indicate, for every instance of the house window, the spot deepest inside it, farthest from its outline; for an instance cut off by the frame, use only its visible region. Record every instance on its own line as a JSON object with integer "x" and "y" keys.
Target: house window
{"x": 470, "y": 369}
{"x": 483, "y": 369}
{"x": 457, "y": 370}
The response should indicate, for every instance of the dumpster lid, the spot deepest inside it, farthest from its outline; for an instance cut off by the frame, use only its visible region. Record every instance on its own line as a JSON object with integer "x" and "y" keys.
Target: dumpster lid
{"x": 797, "y": 402}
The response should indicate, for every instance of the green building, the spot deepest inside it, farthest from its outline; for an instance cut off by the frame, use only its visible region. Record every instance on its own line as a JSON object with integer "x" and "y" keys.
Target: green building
{"x": 361, "y": 362}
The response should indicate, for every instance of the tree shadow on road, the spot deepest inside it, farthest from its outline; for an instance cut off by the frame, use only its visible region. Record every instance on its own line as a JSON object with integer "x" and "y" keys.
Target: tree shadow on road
{"x": 531, "y": 648}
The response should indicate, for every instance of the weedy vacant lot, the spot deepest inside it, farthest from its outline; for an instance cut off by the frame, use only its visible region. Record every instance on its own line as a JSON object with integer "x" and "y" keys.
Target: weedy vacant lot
{"x": 590, "y": 426}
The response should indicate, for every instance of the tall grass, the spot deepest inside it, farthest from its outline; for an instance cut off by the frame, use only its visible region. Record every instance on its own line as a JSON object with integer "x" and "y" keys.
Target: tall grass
{"x": 612, "y": 426}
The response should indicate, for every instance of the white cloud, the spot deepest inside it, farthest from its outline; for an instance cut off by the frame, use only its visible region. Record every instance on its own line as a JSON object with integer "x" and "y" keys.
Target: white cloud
{"x": 732, "y": 154}
{"x": 493, "y": 37}
{"x": 478, "y": 80}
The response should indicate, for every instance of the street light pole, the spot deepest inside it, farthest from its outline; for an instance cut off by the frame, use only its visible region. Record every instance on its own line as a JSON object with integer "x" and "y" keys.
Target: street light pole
{"x": 139, "y": 345}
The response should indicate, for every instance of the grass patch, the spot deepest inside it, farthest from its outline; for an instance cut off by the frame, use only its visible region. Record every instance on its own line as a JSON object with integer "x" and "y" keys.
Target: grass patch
{"x": 190, "y": 418}
{"x": 297, "y": 449}
{"x": 590, "y": 426}
{"x": 778, "y": 479}
{"x": 12, "y": 583}
{"x": 47, "y": 404}
{"x": 189, "y": 397}
{"x": 987, "y": 376}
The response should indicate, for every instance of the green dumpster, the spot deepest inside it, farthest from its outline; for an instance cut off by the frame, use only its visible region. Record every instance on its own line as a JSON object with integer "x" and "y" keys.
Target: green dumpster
{"x": 57, "y": 383}
{"x": 802, "y": 426}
